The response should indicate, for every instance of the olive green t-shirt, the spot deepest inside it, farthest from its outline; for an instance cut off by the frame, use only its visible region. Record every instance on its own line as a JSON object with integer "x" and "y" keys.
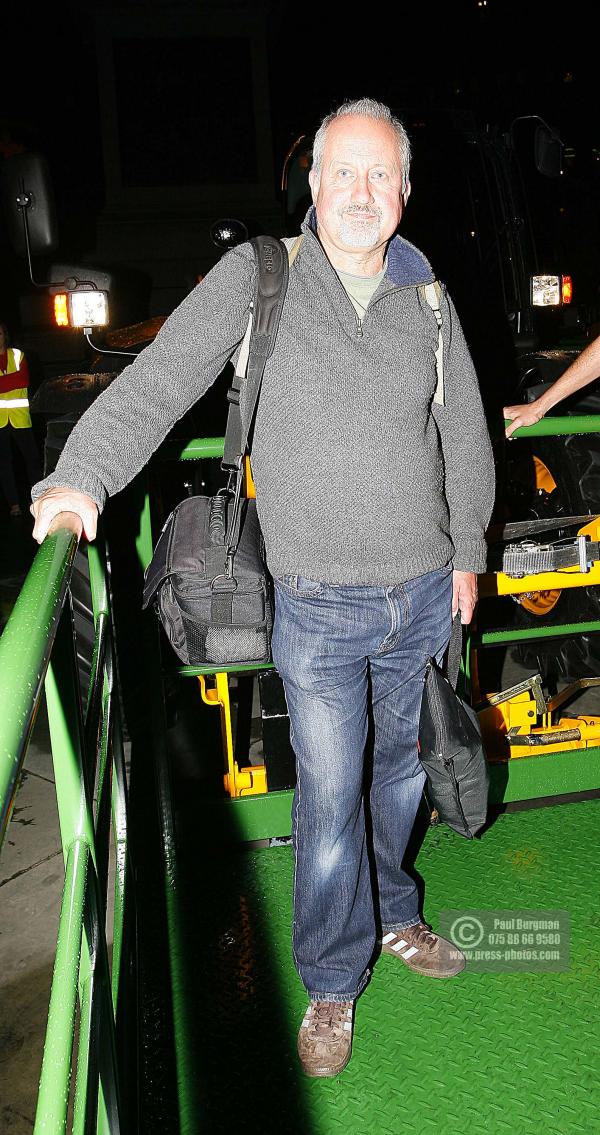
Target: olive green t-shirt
{"x": 360, "y": 289}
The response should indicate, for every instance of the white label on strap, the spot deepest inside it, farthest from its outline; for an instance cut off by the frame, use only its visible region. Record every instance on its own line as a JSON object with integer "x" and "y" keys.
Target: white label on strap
{"x": 242, "y": 362}
{"x": 409, "y": 953}
{"x": 13, "y": 403}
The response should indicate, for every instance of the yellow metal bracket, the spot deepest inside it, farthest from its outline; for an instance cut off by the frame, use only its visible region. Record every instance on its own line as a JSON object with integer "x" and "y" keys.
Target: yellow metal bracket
{"x": 238, "y": 781}
{"x": 518, "y": 722}
{"x": 497, "y": 583}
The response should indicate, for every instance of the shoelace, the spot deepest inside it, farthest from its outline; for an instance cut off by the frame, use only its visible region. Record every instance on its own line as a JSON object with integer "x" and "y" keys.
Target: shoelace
{"x": 421, "y": 936}
{"x": 328, "y": 1015}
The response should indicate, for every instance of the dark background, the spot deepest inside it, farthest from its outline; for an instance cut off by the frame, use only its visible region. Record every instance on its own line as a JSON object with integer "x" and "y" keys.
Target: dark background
{"x": 499, "y": 58}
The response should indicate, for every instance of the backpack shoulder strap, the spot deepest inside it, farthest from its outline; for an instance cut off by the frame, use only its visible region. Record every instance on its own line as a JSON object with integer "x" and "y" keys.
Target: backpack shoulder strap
{"x": 432, "y": 294}
{"x": 292, "y": 243}
{"x": 258, "y": 342}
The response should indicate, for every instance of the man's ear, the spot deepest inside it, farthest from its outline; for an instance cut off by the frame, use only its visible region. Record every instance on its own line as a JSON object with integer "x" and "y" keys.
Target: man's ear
{"x": 406, "y": 193}
{"x": 313, "y": 181}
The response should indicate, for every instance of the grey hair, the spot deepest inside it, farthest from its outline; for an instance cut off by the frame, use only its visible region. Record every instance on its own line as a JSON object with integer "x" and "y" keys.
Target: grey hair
{"x": 364, "y": 108}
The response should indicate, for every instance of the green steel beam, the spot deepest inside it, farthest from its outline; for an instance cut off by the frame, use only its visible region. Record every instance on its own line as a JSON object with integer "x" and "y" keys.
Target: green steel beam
{"x": 194, "y": 671}
{"x": 66, "y": 737}
{"x": 268, "y": 815}
{"x": 554, "y": 427}
{"x": 549, "y": 774}
{"x": 80, "y": 1101}
{"x": 194, "y": 450}
{"x": 264, "y": 815}
{"x": 52, "y": 1104}
{"x": 505, "y": 637}
{"x": 203, "y": 447}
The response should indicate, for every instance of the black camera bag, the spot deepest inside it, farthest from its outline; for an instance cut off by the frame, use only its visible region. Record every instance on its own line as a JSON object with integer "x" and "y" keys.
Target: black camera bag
{"x": 207, "y": 578}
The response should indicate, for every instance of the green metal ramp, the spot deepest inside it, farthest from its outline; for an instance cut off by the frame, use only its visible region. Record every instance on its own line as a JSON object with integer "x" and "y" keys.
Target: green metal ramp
{"x": 489, "y": 1053}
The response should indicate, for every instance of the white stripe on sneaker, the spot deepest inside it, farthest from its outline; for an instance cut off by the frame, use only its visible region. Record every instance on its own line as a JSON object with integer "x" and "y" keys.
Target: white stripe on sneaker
{"x": 347, "y": 1026}
{"x": 399, "y": 945}
{"x": 409, "y": 953}
{"x": 388, "y": 938}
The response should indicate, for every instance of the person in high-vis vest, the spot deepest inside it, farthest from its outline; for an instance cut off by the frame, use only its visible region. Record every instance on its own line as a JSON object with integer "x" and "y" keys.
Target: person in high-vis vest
{"x": 15, "y": 422}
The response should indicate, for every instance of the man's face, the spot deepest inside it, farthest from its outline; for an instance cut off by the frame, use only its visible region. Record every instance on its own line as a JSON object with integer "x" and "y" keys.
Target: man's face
{"x": 358, "y": 195}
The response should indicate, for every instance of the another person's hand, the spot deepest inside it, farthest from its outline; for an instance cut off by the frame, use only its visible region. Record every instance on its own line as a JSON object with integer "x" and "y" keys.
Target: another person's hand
{"x": 464, "y": 594}
{"x": 526, "y": 415}
{"x": 53, "y": 501}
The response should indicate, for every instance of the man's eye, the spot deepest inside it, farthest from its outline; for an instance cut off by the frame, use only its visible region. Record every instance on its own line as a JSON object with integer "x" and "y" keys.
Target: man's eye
{"x": 378, "y": 175}
{"x": 344, "y": 173}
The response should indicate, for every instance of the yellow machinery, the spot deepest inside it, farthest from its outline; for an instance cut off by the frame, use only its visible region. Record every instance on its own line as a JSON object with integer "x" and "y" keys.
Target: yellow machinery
{"x": 237, "y": 781}
{"x": 520, "y": 722}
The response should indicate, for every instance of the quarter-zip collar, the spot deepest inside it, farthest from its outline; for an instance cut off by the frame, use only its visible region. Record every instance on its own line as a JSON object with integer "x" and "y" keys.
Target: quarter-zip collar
{"x": 406, "y": 264}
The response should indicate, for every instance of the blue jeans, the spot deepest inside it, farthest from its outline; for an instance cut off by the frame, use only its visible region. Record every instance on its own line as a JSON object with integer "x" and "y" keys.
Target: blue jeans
{"x": 346, "y": 654}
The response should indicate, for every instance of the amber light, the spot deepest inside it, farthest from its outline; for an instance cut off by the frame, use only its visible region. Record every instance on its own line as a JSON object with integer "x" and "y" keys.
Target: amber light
{"x": 61, "y": 311}
{"x": 567, "y": 289}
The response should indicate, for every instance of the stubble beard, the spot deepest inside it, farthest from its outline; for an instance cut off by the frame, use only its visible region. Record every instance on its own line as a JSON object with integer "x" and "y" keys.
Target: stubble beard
{"x": 362, "y": 229}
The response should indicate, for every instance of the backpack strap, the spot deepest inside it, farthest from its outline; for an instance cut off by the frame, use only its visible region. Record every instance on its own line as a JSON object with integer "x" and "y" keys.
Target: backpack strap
{"x": 292, "y": 243}
{"x": 432, "y": 294}
{"x": 270, "y": 287}
{"x": 258, "y": 342}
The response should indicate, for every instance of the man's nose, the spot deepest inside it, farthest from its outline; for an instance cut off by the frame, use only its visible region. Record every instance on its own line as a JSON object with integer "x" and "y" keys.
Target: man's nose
{"x": 361, "y": 190}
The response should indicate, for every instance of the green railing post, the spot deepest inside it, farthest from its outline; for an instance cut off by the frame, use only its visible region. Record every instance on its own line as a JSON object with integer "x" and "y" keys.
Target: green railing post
{"x": 25, "y": 646}
{"x": 76, "y": 823}
{"x": 52, "y": 1106}
{"x": 36, "y": 645}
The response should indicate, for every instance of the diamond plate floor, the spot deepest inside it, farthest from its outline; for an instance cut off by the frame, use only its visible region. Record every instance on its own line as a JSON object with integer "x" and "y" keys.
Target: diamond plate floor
{"x": 489, "y": 1053}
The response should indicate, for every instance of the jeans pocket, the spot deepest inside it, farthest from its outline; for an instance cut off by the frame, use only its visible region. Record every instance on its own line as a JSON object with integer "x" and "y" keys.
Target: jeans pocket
{"x": 300, "y": 585}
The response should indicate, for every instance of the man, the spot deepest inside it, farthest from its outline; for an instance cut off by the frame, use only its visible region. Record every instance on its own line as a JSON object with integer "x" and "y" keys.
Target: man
{"x": 373, "y": 499}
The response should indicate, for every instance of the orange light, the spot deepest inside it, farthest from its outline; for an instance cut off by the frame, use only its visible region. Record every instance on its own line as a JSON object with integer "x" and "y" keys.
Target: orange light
{"x": 567, "y": 289}
{"x": 61, "y": 311}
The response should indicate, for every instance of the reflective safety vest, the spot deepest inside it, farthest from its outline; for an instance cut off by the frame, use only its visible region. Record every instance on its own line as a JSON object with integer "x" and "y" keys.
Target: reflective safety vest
{"x": 14, "y": 380}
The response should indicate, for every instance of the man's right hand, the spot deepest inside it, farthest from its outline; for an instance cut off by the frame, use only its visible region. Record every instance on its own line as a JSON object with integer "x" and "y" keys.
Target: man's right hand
{"x": 525, "y": 415}
{"x": 53, "y": 501}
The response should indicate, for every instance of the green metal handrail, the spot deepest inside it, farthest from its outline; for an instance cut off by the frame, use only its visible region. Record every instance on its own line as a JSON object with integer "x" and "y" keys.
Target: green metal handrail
{"x": 25, "y": 647}
{"x": 555, "y": 427}
{"x": 37, "y": 648}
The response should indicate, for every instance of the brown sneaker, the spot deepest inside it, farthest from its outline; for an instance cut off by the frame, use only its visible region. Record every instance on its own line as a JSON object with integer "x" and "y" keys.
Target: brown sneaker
{"x": 325, "y": 1037}
{"x": 424, "y": 951}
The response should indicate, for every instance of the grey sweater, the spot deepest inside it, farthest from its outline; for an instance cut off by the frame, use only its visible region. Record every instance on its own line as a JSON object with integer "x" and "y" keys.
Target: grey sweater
{"x": 360, "y": 477}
